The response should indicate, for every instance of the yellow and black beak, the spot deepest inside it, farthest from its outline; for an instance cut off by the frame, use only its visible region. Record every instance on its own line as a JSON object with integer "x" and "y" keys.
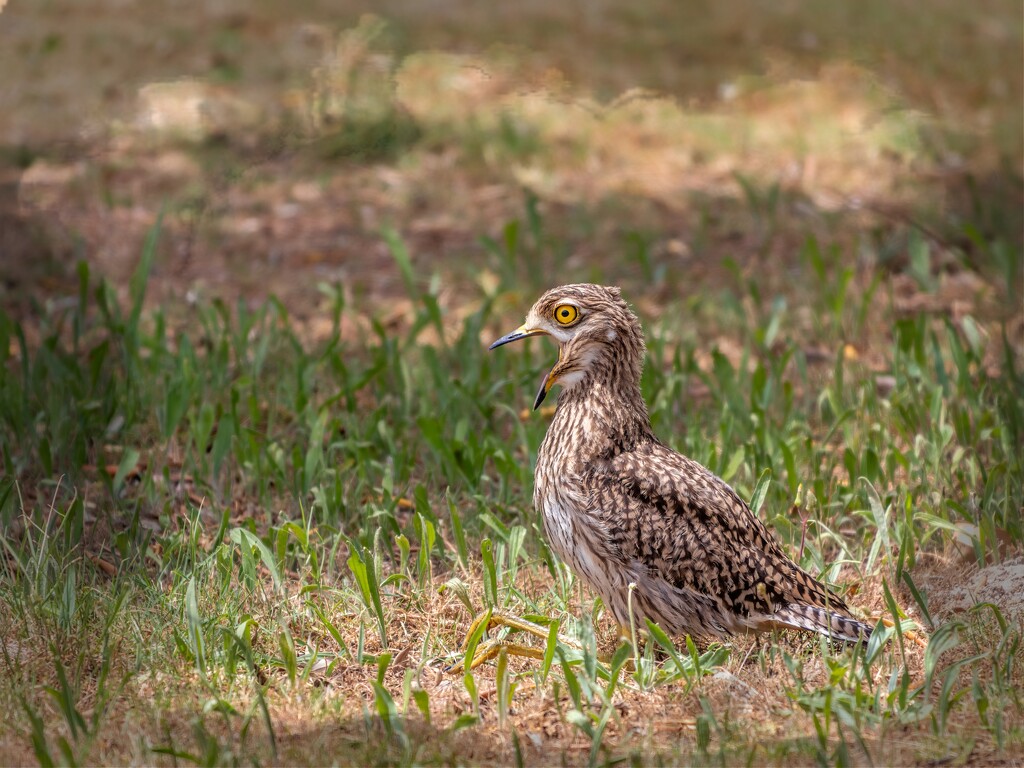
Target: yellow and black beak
{"x": 545, "y": 385}
{"x": 521, "y": 333}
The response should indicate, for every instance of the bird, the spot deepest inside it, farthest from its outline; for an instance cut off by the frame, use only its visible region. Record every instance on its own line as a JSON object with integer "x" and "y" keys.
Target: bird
{"x": 655, "y": 534}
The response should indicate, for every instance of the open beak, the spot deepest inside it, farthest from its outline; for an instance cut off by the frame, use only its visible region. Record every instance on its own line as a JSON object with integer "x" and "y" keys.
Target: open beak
{"x": 521, "y": 333}
{"x": 543, "y": 391}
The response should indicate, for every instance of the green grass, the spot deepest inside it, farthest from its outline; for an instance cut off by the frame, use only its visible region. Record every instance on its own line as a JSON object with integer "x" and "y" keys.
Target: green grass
{"x": 228, "y": 537}
{"x": 222, "y": 544}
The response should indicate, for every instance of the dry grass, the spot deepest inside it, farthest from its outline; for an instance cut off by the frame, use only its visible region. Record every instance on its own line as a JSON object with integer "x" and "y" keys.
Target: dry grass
{"x": 324, "y": 718}
{"x": 815, "y": 210}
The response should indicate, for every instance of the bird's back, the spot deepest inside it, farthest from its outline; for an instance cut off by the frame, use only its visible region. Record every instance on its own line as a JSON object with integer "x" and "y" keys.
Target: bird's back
{"x": 701, "y": 561}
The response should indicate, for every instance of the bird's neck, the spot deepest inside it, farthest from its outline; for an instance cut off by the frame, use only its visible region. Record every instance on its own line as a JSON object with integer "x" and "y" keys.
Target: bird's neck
{"x": 604, "y": 413}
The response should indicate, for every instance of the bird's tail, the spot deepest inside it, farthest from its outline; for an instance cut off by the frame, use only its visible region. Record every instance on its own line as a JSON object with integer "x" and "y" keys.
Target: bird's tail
{"x": 837, "y": 626}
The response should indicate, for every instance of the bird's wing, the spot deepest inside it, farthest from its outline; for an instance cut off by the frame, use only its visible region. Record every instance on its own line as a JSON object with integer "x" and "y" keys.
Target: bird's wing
{"x": 690, "y": 528}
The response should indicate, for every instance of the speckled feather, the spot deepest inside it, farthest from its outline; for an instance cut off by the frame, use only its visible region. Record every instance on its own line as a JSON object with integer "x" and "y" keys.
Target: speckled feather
{"x": 621, "y": 508}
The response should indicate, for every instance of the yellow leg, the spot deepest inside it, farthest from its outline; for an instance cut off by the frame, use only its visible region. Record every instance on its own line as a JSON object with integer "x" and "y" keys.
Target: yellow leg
{"x": 490, "y": 648}
{"x": 911, "y": 636}
{"x": 504, "y": 620}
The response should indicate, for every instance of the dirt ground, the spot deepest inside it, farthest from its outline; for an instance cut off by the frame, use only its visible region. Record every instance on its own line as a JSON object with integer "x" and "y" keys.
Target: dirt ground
{"x": 236, "y": 122}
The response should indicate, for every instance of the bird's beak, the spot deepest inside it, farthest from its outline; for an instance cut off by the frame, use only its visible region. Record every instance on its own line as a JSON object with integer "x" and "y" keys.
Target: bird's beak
{"x": 519, "y": 333}
{"x": 543, "y": 391}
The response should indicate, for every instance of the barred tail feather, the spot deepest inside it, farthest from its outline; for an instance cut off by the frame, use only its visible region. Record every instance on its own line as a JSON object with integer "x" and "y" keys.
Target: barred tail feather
{"x": 823, "y": 621}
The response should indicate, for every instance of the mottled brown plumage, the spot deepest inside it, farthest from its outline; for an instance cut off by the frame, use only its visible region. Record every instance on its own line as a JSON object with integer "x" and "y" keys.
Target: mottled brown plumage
{"x": 621, "y": 508}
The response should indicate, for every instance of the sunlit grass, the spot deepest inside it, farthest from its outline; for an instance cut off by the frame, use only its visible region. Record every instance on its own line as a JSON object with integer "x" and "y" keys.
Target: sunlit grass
{"x": 222, "y": 543}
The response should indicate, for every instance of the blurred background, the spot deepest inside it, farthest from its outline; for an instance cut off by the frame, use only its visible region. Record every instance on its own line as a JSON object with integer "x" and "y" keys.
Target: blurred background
{"x": 667, "y": 146}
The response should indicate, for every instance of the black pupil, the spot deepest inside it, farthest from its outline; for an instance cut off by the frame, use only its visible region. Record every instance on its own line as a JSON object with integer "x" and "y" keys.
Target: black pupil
{"x": 565, "y": 313}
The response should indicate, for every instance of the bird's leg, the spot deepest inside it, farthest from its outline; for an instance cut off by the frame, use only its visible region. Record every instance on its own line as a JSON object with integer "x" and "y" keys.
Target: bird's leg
{"x": 608, "y": 647}
{"x": 755, "y": 646}
{"x": 910, "y": 635}
{"x": 625, "y": 634}
{"x": 623, "y": 637}
{"x": 491, "y": 647}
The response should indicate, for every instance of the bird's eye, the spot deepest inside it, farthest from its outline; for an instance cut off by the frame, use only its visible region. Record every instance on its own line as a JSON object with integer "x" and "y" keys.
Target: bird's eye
{"x": 566, "y": 314}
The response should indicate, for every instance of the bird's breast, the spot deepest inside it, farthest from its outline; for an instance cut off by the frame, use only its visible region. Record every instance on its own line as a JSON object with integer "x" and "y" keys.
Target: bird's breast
{"x": 558, "y": 526}
{"x": 577, "y": 538}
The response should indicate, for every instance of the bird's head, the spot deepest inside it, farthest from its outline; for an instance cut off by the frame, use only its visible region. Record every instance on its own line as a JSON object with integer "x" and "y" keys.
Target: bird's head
{"x": 596, "y": 332}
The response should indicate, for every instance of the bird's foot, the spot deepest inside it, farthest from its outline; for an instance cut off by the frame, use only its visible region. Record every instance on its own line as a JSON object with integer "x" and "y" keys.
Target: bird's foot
{"x": 490, "y": 649}
{"x": 622, "y": 637}
{"x": 918, "y": 639}
{"x": 476, "y": 650}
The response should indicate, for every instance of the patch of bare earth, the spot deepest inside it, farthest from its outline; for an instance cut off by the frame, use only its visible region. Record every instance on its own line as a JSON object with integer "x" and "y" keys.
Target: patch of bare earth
{"x": 254, "y": 203}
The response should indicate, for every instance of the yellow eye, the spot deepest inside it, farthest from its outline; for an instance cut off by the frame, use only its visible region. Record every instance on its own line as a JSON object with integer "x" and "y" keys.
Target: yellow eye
{"x": 566, "y": 314}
